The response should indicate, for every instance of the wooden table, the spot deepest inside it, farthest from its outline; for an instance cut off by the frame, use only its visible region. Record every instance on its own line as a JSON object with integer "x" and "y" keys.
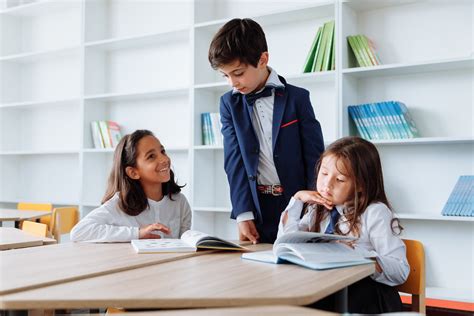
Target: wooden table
{"x": 60, "y": 263}
{"x": 13, "y": 215}
{"x": 214, "y": 280}
{"x": 12, "y": 238}
{"x": 278, "y": 310}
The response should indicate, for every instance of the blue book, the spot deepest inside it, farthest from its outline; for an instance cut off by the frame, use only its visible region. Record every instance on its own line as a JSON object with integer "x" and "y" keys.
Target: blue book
{"x": 363, "y": 120}
{"x": 391, "y": 120}
{"x": 460, "y": 200}
{"x": 371, "y": 125}
{"x": 357, "y": 122}
{"x": 386, "y": 119}
{"x": 407, "y": 120}
{"x": 381, "y": 122}
{"x": 399, "y": 123}
{"x": 311, "y": 250}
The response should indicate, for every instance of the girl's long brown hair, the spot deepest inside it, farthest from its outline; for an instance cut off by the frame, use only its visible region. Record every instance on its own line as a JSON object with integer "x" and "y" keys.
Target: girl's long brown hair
{"x": 132, "y": 197}
{"x": 362, "y": 161}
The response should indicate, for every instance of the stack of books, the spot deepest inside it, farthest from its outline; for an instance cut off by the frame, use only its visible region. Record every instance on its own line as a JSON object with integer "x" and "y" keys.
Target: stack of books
{"x": 105, "y": 134}
{"x": 364, "y": 50}
{"x": 383, "y": 120}
{"x": 321, "y": 56}
{"x": 461, "y": 201}
{"x": 211, "y": 129}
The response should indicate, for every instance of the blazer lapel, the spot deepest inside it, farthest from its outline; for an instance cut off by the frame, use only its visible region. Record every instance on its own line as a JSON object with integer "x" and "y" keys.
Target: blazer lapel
{"x": 278, "y": 111}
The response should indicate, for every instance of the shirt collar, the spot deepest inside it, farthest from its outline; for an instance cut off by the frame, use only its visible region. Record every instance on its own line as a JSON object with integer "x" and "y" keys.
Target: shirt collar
{"x": 272, "y": 81}
{"x": 340, "y": 209}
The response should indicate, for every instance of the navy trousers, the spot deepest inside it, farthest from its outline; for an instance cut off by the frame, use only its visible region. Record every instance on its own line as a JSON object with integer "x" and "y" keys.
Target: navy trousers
{"x": 271, "y": 207}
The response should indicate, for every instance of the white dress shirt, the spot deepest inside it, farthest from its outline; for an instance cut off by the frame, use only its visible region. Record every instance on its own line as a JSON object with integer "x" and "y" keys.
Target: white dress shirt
{"x": 262, "y": 122}
{"x": 108, "y": 223}
{"x": 376, "y": 238}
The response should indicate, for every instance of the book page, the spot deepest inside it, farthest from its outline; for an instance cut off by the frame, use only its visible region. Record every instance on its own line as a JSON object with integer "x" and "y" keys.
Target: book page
{"x": 309, "y": 237}
{"x": 192, "y": 237}
{"x": 161, "y": 245}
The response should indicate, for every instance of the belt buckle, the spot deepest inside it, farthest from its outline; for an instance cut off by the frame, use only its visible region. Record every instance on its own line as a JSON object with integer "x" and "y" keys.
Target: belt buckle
{"x": 276, "y": 190}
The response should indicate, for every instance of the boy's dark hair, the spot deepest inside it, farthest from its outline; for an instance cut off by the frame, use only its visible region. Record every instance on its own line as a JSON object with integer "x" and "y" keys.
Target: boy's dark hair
{"x": 133, "y": 199}
{"x": 238, "y": 39}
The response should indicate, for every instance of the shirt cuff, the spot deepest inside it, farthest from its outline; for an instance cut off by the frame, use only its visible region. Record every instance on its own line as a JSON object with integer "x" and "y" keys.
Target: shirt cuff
{"x": 294, "y": 209}
{"x": 246, "y": 216}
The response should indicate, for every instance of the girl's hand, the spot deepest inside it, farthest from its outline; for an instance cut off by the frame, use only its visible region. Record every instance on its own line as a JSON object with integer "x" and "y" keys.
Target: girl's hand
{"x": 146, "y": 232}
{"x": 313, "y": 197}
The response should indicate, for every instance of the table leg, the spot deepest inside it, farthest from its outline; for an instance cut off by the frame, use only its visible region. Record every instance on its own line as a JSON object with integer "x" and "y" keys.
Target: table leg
{"x": 342, "y": 301}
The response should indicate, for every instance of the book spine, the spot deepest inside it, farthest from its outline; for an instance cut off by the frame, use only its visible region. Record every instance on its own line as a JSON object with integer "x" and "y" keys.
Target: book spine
{"x": 322, "y": 48}
{"x": 408, "y": 119}
{"x": 355, "y": 119}
{"x": 114, "y": 133}
{"x": 329, "y": 44}
{"x": 355, "y": 50}
{"x": 104, "y": 131}
{"x": 308, "y": 65}
{"x": 362, "y": 51}
{"x": 365, "y": 43}
{"x": 96, "y": 137}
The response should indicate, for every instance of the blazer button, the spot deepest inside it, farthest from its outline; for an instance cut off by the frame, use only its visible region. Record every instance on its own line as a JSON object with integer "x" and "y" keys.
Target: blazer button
{"x": 252, "y": 178}
{"x": 256, "y": 150}
{"x": 275, "y": 156}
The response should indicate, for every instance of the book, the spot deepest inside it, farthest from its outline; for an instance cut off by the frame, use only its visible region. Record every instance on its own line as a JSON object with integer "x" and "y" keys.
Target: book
{"x": 460, "y": 201}
{"x": 114, "y": 133}
{"x": 311, "y": 250}
{"x": 190, "y": 241}
{"x": 96, "y": 136}
{"x": 104, "y": 132}
{"x": 308, "y": 65}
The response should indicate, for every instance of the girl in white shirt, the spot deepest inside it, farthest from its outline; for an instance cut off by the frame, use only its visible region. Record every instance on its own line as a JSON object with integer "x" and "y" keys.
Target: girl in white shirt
{"x": 142, "y": 199}
{"x": 350, "y": 200}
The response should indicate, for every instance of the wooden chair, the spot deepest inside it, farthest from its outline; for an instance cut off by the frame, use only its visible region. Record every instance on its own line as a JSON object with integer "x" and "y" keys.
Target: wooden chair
{"x": 415, "y": 284}
{"x": 37, "y": 207}
{"x": 34, "y": 228}
{"x": 63, "y": 220}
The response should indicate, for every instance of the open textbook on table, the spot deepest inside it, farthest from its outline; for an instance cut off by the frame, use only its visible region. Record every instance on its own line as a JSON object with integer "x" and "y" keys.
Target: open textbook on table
{"x": 191, "y": 240}
{"x": 311, "y": 250}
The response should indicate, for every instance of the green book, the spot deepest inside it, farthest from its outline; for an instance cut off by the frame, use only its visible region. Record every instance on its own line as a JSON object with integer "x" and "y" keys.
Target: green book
{"x": 322, "y": 48}
{"x": 333, "y": 51}
{"x": 327, "y": 53}
{"x": 363, "y": 52}
{"x": 355, "y": 50}
{"x": 308, "y": 65}
{"x": 365, "y": 44}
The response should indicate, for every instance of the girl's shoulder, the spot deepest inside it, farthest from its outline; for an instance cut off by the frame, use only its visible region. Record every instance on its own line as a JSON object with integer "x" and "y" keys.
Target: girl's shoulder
{"x": 377, "y": 211}
{"x": 178, "y": 198}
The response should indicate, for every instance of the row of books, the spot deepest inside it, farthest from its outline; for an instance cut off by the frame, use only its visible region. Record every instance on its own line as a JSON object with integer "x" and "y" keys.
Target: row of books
{"x": 105, "y": 134}
{"x": 461, "y": 199}
{"x": 321, "y": 56}
{"x": 211, "y": 129}
{"x": 364, "y": 50}
{"x": 383, "y": 120}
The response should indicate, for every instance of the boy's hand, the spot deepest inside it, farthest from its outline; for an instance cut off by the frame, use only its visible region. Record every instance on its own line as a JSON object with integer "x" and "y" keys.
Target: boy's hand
{"x": 248, "y": 231}
{"x": 147, "y": 232}
{"x": 313, "y": 197}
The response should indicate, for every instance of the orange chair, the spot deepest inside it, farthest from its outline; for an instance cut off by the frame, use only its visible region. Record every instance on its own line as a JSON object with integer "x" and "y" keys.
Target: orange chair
{"x": 34, "y": 228}
{"x": 63, "y": 220}
{"x": 25, "y": 206}
{"x": 415, "y": 284}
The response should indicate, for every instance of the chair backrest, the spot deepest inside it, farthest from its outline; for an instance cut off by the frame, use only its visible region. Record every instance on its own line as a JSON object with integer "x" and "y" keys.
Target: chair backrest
{"x": 34, "y": 228}
{"x": 63, "y": 220}
{"x": 37, "y": 207}
{"x": 415, "y": 284}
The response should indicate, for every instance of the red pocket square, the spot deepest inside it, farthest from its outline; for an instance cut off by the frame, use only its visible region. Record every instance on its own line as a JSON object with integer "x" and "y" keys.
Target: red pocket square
{"x": 289, "y": 123}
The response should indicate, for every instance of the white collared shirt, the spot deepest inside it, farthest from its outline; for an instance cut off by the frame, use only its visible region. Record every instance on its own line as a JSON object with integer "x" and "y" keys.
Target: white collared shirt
{"x": 108, "y": 223}
{"x": 376, "y": 237}
{"x": 262, "y": 122}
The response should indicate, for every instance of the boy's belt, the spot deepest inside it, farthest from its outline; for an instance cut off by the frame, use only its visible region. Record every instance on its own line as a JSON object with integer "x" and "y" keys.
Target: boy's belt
{"x": 273, "y": 189}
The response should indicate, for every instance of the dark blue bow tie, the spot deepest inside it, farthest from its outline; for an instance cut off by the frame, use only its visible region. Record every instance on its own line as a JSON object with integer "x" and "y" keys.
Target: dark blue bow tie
{"x": 252, "y": 97}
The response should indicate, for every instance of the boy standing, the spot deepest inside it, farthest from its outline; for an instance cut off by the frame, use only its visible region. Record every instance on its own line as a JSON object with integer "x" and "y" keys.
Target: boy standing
{"x": 272, "y": 139}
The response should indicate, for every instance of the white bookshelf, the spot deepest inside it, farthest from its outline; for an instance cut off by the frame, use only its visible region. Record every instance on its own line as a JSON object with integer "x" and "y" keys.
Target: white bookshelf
{"x": 144, "y": 64}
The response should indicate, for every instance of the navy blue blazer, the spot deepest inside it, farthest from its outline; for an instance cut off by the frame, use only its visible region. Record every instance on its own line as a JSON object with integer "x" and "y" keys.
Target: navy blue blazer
{"x": 297, "y": 145}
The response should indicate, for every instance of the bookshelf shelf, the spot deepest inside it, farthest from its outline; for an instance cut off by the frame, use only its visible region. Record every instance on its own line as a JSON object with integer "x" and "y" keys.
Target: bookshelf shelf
{"x": 431, "y": 217}
{"x": 212, "y": 209}
{"x": 43, "y": 103}
{"x": 40, "y": 7}
{"x": 411, "y": 68}
{"x": 39, "y": 152}
{"x": 41, "y": 55}
{"x": 456, "y": 294}
{"x": 131, "y": 96}
{"x": 137, "y": 41}
{"x": 425, "y": 141}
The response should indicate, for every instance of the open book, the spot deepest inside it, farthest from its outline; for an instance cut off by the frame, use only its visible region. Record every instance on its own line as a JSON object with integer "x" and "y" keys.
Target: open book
{"x": 190, "y": 241}
{"x": 311, "y": 250}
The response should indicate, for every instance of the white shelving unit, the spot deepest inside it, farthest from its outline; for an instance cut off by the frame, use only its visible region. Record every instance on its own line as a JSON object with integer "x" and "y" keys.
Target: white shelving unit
{"x": 144, "y": 64}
